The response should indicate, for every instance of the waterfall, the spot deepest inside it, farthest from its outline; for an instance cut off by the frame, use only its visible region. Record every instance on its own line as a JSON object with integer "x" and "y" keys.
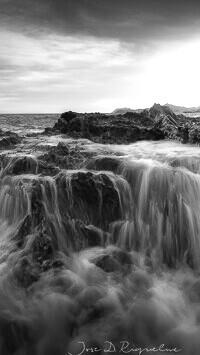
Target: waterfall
{"x": 109, "y": 252}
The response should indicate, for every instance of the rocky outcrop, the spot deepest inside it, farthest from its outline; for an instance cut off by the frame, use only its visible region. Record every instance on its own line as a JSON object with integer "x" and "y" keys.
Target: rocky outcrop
{"x": 103, "y": 128}
{"x": 167, "y": 125}
{"x": 156, "y": 110}
{"x": 158, "y": 122}
{"x": 64, "y": 157}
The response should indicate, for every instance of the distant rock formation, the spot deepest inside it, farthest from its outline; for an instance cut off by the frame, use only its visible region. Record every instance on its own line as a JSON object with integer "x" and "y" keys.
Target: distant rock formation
{"x": 122, "y": 111}
{"x": 178, "y": 110}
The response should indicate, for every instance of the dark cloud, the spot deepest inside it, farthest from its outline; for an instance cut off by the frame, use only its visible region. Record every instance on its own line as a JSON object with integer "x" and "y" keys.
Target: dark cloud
{"x": 126, "y": 20}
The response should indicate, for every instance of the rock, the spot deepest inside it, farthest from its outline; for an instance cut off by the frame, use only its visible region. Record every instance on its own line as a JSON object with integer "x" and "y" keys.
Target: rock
{"x": 104, "y": 163}
{"x": 63, "y": 121}
{"x": 167, "y": 125}
{"x": 24, "y": 230}
{"x": 37, "y": 207}
{"x": 62, "y": 156}
{"x": 194, "y": 134}
{"x": 80, "y": 236}
{"x": 114, "y": 260}
{"x": 89, "y": 197}
{"x": 8, "y": 139}
{"x": 157, "y": 110}
{"x": 68, "y": 116}
{"x": 108, "y": 264}
{"x": 104, "y": 128}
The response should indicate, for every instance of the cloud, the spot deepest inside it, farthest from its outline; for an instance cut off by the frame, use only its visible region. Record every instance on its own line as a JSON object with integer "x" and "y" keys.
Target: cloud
{"x": 133, "y": 21}
{"x": 54, "y": 71}
{"x": 89, "y": 55}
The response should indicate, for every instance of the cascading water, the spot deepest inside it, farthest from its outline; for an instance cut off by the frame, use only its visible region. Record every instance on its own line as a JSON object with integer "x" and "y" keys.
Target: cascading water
{"x": 99, "y": 257}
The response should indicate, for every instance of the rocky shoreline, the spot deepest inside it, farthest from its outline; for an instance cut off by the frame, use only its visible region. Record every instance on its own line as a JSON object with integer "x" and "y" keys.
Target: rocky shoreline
{"x": 157, "y": 123}
{"x": 63, "y": 195}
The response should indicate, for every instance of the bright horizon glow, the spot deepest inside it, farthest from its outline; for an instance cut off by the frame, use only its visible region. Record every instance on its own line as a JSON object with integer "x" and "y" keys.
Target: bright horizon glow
{"x": 58, "y": 73}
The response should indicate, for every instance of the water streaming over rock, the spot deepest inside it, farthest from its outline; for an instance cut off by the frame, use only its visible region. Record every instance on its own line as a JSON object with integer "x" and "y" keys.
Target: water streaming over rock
{"x": 109, "y": 252}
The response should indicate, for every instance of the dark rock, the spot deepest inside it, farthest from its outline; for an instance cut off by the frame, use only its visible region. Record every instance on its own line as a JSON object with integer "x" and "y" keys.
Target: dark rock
{"x": 23, "y": 165}
{"x": 42, "y": 248}
{"x": 80, "y": 236}
{"x": 8, "y": 139}
{"x": 103, "y": 128}
{"x": 37, "y": 208}
{"x": 24, "y": 230}
{"x": 62, "y": 156}
{"x": 63, "y": 121}
{"x": 194, "y": 134}
{"x": 167, "y": 126}
{"x": 108, "y": 264}
{"x": 26, "y": 272}
{"x": 68, "y": 116}
{"x": 114, "y": 259}
{"x": 157, "y": 110}
{"x": 158, "y": 122}
{"x": 104, "y": 163}
{"x": 95, "y": 198}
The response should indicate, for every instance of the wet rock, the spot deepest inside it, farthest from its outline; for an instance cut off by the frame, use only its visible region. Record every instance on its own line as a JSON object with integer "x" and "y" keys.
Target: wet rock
{"x": 15, "y": 336}
{"x": 23, "y": 165}
{"x": 42, "y": 248}
{"x": 8, "y": 139}
{"x": 63, "y": 156}
{"x": 37, "y": 208}
{"x": 114, "y": 260}
{"x": 110, "y": 128}
{"x": 26, "y": 271}
{"x": 104, "y": 163}
{"x": 24, "y": 230}
{"x": 89, "y": 197}
{"x": 63, "y": 121}
{"x": 168, "y": 126}
{"x": 108, "y": 264}
{"x": 194, "y": 134}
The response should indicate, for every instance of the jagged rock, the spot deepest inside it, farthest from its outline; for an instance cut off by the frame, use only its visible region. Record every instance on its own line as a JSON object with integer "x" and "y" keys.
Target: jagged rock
{"x": 27, "y": 165}
{"x": 110, "y": 128}
{"x": 157, "y": 110}
{"x": 63, "y": 121}
{"x": 194, "y": 134}
{"x": 167, "y": 125}
{"x": 63, "y": 156}
{"x": 8, "y": 139}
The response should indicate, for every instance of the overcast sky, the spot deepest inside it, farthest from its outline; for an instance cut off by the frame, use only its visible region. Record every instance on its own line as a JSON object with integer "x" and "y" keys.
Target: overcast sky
{"x": 97, "y": 55}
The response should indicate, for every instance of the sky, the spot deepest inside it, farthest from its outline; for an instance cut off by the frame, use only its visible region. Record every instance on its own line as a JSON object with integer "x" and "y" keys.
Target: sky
{"x": 98, "y": 55}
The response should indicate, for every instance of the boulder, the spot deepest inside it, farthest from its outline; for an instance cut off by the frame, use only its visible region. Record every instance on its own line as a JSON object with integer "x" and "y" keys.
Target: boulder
{"x": 104, "y": 163}
{"x": 8, "y": 139}
{"x": 89, "y": 197}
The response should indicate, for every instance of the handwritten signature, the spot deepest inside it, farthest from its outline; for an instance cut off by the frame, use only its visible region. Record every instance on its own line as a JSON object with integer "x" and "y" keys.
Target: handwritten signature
{"x": 124, "y": 347}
